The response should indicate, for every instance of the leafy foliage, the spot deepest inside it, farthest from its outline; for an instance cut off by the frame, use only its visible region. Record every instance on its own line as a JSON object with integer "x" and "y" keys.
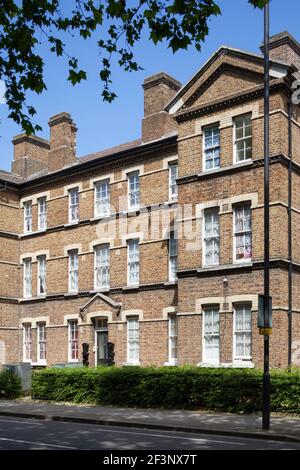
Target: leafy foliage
{"x": 10, "y": 385}
{"x": 118, "y": 25}
{"x": 230, "y": 390}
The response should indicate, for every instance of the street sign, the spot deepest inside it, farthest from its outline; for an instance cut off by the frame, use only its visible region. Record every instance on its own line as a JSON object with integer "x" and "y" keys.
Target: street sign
{"x": 261, "y": 312}
{"x": 265, "y": 331}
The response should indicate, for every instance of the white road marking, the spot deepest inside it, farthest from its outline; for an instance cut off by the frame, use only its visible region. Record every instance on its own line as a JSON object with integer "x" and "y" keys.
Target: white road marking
{"x": 171, "y": 437}
{"x": 36, "y": 443}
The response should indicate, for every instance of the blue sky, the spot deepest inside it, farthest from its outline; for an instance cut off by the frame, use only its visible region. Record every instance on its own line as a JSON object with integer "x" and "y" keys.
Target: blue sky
{"x": 102, "y": 125}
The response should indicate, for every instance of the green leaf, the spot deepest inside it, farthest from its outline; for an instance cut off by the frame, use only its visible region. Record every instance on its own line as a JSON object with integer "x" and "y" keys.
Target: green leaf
{"x": 76, "y": 77}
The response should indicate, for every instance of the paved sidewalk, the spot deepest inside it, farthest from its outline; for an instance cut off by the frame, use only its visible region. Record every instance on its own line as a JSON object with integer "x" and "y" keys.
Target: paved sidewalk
{"x": 282, "y": 428}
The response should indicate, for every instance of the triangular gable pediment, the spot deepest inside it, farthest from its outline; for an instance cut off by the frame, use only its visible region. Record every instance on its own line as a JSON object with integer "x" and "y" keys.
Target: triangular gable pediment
{"x": 101, "y": 302}
{"x": 226, "y": 73}
{"x": 226, "y": 81}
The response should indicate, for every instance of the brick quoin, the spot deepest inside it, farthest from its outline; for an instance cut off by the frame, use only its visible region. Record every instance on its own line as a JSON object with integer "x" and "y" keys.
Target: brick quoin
{"x": 175, "y": 118}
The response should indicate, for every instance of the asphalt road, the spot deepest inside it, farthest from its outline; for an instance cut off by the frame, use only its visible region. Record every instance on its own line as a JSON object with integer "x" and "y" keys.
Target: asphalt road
{"x": 20, "y": 434}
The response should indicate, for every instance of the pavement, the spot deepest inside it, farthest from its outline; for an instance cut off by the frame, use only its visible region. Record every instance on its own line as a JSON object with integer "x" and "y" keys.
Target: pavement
{"x": 226, "y": 424}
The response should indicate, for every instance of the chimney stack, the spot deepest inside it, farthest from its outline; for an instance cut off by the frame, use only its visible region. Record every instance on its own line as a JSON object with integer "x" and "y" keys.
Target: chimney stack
{"x": 62, "y": 141}
{"x": 159, "y": 89}
{"x": 283, "y": 46}
{"x": 30, "y": 154}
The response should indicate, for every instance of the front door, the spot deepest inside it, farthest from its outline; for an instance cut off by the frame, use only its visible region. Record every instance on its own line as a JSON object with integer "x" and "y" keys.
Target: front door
{"x": 102, "y": 338}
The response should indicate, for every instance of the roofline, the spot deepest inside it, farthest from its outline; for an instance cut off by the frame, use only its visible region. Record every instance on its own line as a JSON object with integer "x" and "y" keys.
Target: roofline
{"x": 221, "y": 50}
{"x": 95, "y": 162}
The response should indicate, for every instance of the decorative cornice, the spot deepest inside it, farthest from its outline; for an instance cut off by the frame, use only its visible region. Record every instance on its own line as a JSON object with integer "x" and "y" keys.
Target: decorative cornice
{"x": 283, "y": 39}
{"x": 276, "y": 263}
{"x": 38, "y": 141}
{"x": 8, "y": 300}
{"x": 161, "y": 78}
{"x": 116, "y": 160}
{"x": 237, "y": 98}
{"x": 224, "y": 67}
{"x": 60, "y": 118}
{"x": 259, "y": 162}
{"x": 12, "y": 235}
{"x": 113, "y": 290}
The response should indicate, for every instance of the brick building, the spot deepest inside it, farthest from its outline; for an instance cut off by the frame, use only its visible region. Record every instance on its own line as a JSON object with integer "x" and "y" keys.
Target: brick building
{"x": 156, "y": 246}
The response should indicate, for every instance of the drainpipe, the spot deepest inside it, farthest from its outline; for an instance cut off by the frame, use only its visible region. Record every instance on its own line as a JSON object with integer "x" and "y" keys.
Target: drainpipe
{"x": 290, "y": 237}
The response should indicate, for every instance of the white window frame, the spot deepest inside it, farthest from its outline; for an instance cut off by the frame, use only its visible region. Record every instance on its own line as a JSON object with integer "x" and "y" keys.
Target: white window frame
{"x": 172, "y": 256}
{"x": 243, "y": 232}
{"x": 214, "y": 238}
{"x": 71, "y": 340}
{"x": 42, "y": 213}
{"x": 173, "y": 187}
{"x": 74, "y": 205}
{"x": 28, "y": 217}
{"x": 73, "y": 268}
{"x": 244, "y": 138}
{"x": 101, "y": 265}
{"x": 133, "y": 243}
{"x": 135, "y": 339}
{"x": 135, "y": 192}
{"x": 213, "y": 147}
{"x": 27, "y": 278}
{"x": 41, "y": 274}
{"x": 172, "y": 338}
{"x": 244, "y": 358}
{"x": 205, "y": 359}
{"x": 27, "y": 340}
{"x": 41, "y": 340}
{"x": 102, "y": 203}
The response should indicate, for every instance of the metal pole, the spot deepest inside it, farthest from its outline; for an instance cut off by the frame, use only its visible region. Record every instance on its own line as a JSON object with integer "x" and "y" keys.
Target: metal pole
{"x": 266, "y": 375}
{"x": 290, "y": 243}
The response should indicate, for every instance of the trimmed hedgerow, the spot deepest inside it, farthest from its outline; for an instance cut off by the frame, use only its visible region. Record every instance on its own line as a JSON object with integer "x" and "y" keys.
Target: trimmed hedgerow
{"x": 230, "y": 390}
{"x": 10, "y": 385}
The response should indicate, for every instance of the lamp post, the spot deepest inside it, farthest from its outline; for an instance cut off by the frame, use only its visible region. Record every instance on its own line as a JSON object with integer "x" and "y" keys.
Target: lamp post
{"x": 266, "y": 373}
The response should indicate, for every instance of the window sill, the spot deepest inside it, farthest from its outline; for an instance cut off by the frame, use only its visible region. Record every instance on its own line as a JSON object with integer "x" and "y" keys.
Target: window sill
{"x": 71, "y": 294}
{"x": 101, "y": 217}
{"x": 102, "y": 289}
{"x": 26, "y": 299}
{"x": 242, "y": 162}
{"x": 131, "y": 287}
{"x": 220, "y": 169}
{"x": 131, "y": 364}
{"x": 132, "y": 211}
{"x": 170, "y": 202}
{"x": 71, "y": 224}
{"x": 223, "y": 267}
{"x": 43, "y": 364}
{"x": 33, "y": 233}
{"x": 245, "y": 262}
{"x": 210, "y": 266}
{"x": 228, "y": 365}
{"x": 211, "y": 170}
{"x": 170, "y": 364}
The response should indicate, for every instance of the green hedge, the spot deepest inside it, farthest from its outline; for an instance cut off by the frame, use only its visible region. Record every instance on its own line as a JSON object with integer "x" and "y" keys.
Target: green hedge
{"x": 10, "y": 385}
{"x": 230, "y": 390}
